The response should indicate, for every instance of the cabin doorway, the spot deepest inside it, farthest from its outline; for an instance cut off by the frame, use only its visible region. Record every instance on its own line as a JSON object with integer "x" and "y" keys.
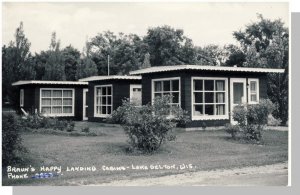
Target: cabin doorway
{"x": 237, "y": 94}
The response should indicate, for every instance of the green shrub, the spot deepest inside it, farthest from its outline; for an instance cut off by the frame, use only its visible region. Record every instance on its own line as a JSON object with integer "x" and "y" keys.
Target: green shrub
{"x": 35, "y": 121}
{"x": 252, "y": 118}
{"x": 11, "y": 139}
{"x": 70, "y": 126}
{"x": 85, "y": 129}
{"x": 233, "y": 130}
{"x": 148, "y": 126}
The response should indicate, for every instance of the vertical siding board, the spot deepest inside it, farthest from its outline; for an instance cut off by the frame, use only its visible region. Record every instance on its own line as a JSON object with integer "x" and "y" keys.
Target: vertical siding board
{"x": 263, "y": 87}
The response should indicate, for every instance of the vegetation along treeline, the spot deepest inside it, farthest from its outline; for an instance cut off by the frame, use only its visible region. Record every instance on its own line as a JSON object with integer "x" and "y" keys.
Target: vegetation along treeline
{"x": 264, "y": 43}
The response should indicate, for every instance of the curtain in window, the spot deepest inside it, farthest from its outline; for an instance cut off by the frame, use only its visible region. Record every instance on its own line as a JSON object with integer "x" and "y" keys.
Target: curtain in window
{"x": 46, "y": 93}
{"x": 57, "y": 93}
{"x": 67, "y": 93}
{"x": 220, "y": 86}
{"x": 220, "y": 110}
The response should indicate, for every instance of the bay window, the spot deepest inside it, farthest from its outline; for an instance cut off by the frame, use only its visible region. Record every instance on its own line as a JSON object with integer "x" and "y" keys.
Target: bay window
{"x": 209, "y": 98}
{"x": 57, "y": 102}
{"x": 103, "y": 100}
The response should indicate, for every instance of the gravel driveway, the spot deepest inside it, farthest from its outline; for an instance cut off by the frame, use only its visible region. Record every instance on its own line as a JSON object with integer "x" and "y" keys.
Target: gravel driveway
{"x": 268, "y": 175}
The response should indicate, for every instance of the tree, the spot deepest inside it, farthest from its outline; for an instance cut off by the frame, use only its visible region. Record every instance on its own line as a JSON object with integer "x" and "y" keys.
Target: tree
{"x": 16, "y": 64}
{"x": 126, "y": 52}
{"x": 146, "y": 62}
{"x": 235, "y": 55}
{"x": 213, "y": 55}
{"x": 266, "y": 44}
{"x": 168, "y": 46}
{"x": 54, "y": 67}
{"x": 71, "y": 59}
{"x": 86, "y": 66}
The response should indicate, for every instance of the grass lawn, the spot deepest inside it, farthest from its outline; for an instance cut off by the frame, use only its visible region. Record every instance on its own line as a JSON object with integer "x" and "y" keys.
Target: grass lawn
{"x": 205, "y": 150}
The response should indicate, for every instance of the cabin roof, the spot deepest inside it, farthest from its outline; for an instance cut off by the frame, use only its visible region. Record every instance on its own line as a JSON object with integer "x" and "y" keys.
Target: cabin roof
{"x": 155, "y": 69}
{"x": 49, "y": 82}
{"x": 112, "y": 77}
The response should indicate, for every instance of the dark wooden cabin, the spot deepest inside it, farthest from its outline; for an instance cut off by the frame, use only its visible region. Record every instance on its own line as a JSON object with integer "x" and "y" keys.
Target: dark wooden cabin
{"x": 107, "y": 92}
{"x": 208, "y": 93}
{"x": 64, "y": 99}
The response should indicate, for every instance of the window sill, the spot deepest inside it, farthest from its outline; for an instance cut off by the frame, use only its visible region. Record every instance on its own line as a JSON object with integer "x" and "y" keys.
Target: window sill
{"x": 201, "y": 118}
{"x": 58, "y": 115}
{"x": 102, "y": 115}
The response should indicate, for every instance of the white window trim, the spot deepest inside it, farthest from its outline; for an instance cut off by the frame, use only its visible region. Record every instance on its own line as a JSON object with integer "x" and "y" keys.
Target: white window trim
{"x": 95, "y": 100}
{"x": 249, "y": 90}
{"x": 84, "y": 106}
{"x": 209, "y": 117}
{"x": 166, "y": 79}
{"x": 62, "y": 114}
{"x": 21, "y": 97}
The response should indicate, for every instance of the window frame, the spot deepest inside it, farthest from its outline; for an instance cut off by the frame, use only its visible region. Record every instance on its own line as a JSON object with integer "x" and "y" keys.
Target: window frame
{"x": 226, "y": 101}
{"x": 21, "y": 97}
{"x": 95, "y": 100}
{"x": 249, "y": 90}
{"x": 56, "y": 114}
{"x": 166, "y": 79}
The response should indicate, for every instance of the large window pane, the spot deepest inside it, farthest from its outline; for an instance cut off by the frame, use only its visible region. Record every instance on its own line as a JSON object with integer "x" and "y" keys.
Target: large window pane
{"x": 238, "y": 94}
{"x": 57, "y": 93}
{"x": 167, "y": 86}
{"x": 103, "y": 91}
{"x": 209, "y": 97}
{"x": 108, "y": 90}
{"x": 198, "y": 97}
{"x": 67, "y": 93}
{"x": 46, "y": 110}
{"x": 209, "y": 109}
{"x": 175, "y": 85}
{"x": 46, "y": 93}
{"x": 157, "y": 86}
{"x": 198, "y": 110}
{"x": 209, "y": 85}
{"x": 57, "y": 101}
{"x": 220, "y": 109}
{"x": 198, "y": 85}
{"x": 56, "y": 110}
{"x": 157, "y": 95}
{"x": 67, "y": 101}
{"x": 220, "y": 97}
{"x": 46, "y": 101}
{"x": 220, "y": 85}
{"x": 175, "y": 97}
{"x": 67, "y": 109}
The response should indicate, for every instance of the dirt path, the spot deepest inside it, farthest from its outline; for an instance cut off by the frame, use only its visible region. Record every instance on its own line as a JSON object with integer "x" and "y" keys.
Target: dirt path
{"x": 268, "y": 175}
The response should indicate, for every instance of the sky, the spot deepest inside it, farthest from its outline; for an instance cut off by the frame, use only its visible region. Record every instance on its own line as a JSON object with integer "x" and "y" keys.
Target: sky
{"x": 74, "y": 23}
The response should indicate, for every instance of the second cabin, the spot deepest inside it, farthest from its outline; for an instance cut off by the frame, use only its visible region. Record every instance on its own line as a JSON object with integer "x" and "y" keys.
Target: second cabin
{"x": 106, "y": 93}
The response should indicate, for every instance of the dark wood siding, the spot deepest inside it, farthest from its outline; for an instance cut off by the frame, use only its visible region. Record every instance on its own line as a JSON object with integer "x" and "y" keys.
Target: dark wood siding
{"x": 121, "y": 90}
{"x": 32, "y": 98}
{"x": 29, "y": 99}
{"x": 263, "y": 87}
{"x": 185, "y": 79}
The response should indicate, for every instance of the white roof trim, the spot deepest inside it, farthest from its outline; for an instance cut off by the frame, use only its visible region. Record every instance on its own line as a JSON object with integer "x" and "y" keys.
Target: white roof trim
{"x": 49, "y": 82}
{"x": 116, "y": 77}
{"x": 200, "y": 67}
